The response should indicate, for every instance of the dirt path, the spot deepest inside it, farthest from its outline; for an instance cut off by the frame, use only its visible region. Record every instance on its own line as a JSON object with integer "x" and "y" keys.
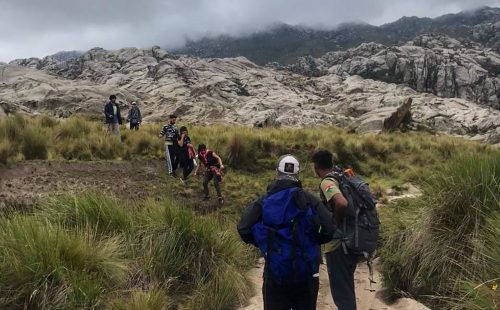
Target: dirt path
{"x": 366, "y": 299}
{"x": 23, "y": 183}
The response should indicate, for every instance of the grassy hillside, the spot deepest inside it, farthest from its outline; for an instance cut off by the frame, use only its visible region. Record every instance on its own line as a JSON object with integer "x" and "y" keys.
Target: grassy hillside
{"x": 92, "y": 250}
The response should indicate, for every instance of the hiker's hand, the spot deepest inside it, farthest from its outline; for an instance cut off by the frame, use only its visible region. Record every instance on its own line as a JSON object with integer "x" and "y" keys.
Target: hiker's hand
{"x": 222, "y": 167}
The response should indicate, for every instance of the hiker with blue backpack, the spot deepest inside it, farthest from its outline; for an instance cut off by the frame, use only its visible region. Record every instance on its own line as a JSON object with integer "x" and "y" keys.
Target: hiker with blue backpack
{"x": 356, "y": 226}
{"x": 288, "y": 225}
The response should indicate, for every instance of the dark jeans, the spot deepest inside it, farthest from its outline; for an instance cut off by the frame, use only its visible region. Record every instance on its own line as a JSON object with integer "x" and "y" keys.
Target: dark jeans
{"x": 172, "y": 158}
{"x": 209, "y": 175}
{"x": 300, "y": 296}
{"x": 186, "y": 162}
{"x": 341, "y": 269}
{"x": 134, "y": 126}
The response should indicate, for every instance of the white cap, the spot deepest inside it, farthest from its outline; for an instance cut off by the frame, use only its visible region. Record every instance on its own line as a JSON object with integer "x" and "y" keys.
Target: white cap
{"x": 288, "y": 164}
{"x": 134, "y": 103}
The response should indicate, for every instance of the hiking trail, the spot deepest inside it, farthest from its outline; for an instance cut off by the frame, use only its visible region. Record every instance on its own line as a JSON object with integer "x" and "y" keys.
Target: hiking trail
{"x": 365, "y": 299}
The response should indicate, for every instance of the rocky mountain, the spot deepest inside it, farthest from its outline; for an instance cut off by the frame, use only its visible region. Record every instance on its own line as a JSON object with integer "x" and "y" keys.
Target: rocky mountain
{"x": 66, "y": 55}
{"x": 235, "y": 91}
{"x": 284, "y": 43}
{"x": 430, "y": 63}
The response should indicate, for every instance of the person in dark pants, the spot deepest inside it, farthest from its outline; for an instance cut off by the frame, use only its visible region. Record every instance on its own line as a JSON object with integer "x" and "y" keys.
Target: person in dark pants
{"x": 340, "y": 263}
{"x": 214, "y": 167}
{"x": 113, "y": 116}
{"x": 134, "y": 117}
{"x": 185, "y": 159}
{"x": 171, "y": 134}
{"x": 288, "y": 225}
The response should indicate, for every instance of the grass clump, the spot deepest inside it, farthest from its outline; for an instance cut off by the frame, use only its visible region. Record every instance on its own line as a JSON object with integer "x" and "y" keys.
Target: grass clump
{"x": 241, "y": 152}
{"x": 71, "y": 129}
{"x": 94, "y": 251}
{"x": 34, "y": 144}
{"x": 441, "y": 244}
{"x": 7, "y": 151}
{"x": 43, "y": 266}
{"x": 151, "y": 299}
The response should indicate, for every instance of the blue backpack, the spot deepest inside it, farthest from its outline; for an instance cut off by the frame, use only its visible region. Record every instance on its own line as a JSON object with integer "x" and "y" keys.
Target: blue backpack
{"x": 287, "y": 237}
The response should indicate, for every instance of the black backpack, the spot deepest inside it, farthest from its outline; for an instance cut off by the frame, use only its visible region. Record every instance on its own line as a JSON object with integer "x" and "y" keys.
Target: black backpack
{"x": 360, "y": 230}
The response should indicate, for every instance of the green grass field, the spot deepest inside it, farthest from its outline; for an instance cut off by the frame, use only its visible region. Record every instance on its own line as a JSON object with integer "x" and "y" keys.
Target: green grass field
{"x": 93, "y": 250}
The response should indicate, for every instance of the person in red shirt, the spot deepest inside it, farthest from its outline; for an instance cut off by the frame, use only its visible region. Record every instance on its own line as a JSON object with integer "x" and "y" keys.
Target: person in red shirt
{"x": 214, "y": 170}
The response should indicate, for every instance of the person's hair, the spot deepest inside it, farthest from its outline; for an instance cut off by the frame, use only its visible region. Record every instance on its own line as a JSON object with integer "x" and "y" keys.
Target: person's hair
{"x": 183, "y": 128}
{"x": 323, "y": 159}
{"x": 171, "y": 116}
{"x": 201, "y": 147}
{"x": 112, "y": 97}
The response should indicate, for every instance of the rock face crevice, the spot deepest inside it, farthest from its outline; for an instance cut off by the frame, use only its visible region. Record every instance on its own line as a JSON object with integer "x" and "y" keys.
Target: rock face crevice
{"x": 359, "y": 88}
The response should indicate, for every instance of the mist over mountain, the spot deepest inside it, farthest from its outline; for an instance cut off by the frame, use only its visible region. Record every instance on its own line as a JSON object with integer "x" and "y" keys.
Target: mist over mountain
{"x": 284, "y": 43}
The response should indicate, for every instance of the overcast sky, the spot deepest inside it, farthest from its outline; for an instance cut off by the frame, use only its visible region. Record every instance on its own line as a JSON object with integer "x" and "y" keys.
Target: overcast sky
{"x": 42, "y": 27}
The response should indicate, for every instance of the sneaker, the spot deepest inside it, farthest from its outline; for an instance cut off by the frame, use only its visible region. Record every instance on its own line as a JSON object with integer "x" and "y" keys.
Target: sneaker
{"x": 221, "y": 200}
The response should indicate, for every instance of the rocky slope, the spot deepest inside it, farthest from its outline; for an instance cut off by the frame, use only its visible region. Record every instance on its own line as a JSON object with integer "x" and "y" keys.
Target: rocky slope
{"x": 284, "y": 43}
{"x": 233, "y": 91}
{"x": 430, "y": 63}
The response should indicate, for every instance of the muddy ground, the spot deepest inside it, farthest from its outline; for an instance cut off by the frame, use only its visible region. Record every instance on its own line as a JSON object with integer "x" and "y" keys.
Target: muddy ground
{"x": 22, "y": 184}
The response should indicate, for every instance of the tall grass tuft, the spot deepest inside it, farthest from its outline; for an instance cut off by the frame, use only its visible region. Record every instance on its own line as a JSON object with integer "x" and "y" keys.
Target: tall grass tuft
{"x": 45, "y": 267}
{"x": 46, "y": 121}
{"x": 7, "y": 150}
{"x": 191, "y": 251}
{"x": 150, "y": 299}
{"x": 93, "y": 251}
{"x": 34, "y": 144}
{"x": 105, "y": 215}
{"x": 72, "y": 128}
{"x": 240, "y": 152}
{"x": 437, "y": 243}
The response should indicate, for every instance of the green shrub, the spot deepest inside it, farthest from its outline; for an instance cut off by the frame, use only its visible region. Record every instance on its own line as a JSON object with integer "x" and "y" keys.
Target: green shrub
{"x": 34, "y": 144}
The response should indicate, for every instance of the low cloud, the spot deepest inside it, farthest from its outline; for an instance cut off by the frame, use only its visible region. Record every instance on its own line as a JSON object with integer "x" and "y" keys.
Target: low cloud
{"x": 38, "y": 28}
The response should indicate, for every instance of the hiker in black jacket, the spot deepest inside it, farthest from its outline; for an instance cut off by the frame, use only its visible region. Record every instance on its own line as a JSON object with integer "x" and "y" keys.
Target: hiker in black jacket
{"x": 171, "y": 134}
{"x": 113, "y": 118}
{"x": 284, "y": 289}
{"x": 134, "y": 116}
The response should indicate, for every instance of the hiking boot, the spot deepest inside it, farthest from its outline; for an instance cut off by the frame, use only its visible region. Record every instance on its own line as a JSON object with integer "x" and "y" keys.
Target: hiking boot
{"x": 173, "y": 175}
{"x": 221, "y": 200}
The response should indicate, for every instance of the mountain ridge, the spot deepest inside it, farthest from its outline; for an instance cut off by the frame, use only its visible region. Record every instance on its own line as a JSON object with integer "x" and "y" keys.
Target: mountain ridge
{"x": 283, "y": 43}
